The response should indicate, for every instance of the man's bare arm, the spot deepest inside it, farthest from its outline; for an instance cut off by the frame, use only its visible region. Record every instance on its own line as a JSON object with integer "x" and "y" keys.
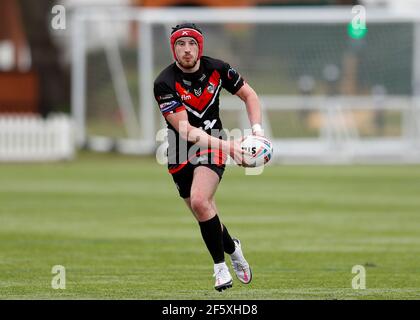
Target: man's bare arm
{"x": 253, "y": 107}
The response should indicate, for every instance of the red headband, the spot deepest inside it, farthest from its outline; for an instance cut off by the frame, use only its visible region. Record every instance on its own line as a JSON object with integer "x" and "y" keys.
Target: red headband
{"x": 188, "y": 32}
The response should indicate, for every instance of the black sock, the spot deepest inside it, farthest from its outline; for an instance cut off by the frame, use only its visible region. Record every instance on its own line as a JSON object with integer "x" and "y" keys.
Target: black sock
{"x": 228, "y": 244}
{"x": 213, "y": 237}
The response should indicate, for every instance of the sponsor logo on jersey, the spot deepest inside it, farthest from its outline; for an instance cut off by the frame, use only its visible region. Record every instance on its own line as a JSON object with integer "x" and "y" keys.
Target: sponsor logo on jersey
{"x": 186, "y": 82}
{"x": 185, "y": 97}
{"x": 209, "y": 124}
{"x": 197, "y": 92}
{"x": 231, "y": 73}
{"x": 166, "y": 96}
{"x": 168, "y": 106}
{"x": 210, "y": 88}
{"x": 202, "y": 77}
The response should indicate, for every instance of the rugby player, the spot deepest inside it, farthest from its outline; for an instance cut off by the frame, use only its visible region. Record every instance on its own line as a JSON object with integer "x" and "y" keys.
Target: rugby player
{"x": 187, "y": 93}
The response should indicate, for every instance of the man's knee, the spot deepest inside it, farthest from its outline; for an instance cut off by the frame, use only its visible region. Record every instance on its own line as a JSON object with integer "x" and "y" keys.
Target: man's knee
{"x": 201, "y": 205}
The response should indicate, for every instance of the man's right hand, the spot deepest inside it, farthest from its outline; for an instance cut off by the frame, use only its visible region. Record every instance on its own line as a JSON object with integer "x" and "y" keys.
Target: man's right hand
{"x": 236, "y": 152}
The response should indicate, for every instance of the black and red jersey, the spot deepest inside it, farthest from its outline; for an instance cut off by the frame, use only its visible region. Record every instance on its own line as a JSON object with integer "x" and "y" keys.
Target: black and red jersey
{"x": 198, "y": 94}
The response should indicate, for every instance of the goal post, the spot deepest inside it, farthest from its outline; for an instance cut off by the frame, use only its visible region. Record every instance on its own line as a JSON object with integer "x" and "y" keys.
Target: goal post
{"x": 326, "y": 97}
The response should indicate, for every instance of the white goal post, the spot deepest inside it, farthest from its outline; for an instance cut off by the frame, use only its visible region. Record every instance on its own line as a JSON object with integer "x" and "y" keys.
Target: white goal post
{"x": 326, "y": 97}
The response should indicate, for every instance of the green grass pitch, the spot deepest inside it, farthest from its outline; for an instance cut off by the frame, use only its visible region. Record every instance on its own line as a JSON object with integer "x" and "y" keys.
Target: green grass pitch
{"x": 119, "y": 228}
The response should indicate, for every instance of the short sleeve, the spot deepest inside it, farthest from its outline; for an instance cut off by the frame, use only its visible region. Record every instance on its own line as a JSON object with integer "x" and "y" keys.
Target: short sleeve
{"x": 167, "y": 99}
{"x": 232, "y": 81}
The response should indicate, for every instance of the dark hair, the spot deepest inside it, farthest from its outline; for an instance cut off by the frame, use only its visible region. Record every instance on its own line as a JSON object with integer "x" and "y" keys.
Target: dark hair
{"x": 189, "y": 25}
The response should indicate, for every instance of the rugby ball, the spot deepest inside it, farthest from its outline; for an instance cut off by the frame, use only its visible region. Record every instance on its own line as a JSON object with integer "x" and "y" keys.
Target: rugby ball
{"x": 259, "y": 151}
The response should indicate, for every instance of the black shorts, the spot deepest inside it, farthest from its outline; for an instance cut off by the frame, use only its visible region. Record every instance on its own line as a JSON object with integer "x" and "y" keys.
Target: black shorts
{"x": 183, "y": 178}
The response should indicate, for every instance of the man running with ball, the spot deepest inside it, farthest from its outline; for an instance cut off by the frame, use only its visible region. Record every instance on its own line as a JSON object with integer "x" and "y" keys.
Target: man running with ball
{"x": 187, "y": 93}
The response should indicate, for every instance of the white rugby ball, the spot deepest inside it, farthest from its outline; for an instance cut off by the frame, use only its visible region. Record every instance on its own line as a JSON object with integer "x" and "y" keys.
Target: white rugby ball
{"x": 260, "y": 151}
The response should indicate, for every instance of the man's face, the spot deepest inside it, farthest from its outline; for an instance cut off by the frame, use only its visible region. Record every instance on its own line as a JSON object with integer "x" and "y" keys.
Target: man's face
{"x": 186, "y": 51}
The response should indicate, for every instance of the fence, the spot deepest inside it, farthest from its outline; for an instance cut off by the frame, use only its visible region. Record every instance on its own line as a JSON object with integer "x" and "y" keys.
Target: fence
{"x": 32, "y": 138}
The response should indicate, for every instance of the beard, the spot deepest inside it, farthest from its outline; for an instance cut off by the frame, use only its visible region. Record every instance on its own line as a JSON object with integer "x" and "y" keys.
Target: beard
{"x": 187, "y": 64}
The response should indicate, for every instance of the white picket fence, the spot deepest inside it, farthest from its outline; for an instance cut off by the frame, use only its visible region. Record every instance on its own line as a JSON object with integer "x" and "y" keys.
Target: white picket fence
{"x": 33, "y": 138}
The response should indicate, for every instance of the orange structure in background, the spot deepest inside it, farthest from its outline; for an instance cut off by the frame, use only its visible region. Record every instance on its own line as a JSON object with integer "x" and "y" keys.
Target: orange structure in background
{"x": 19, "y": 89}
{"x": 19, "y": 92}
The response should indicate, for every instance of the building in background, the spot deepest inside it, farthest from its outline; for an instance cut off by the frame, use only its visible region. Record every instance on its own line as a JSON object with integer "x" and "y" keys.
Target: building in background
{"x": 19, "y": 83}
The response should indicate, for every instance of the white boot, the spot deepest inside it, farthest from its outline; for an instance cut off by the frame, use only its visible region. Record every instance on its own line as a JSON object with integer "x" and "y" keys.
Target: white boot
{"x": 240, "y": 265}
{"x": 223, "y": 277}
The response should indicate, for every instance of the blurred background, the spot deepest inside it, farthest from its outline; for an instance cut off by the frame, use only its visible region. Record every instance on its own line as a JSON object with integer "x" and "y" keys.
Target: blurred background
{"x": 80, "y": 185}
{"x": 78, "y": 74}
